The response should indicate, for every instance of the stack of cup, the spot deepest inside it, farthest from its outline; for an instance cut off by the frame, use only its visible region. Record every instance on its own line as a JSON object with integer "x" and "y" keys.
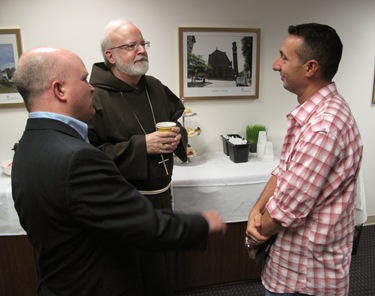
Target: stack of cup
{"x": 261, "y": 145}
{"x": 268, "y": 152}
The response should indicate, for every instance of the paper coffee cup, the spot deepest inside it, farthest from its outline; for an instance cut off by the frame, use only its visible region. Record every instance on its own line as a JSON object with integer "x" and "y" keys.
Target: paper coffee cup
{"x": 165, "y": 126}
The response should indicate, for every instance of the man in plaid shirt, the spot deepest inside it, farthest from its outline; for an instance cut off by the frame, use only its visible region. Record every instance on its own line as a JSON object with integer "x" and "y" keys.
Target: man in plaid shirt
{"x": 310, "y": 198}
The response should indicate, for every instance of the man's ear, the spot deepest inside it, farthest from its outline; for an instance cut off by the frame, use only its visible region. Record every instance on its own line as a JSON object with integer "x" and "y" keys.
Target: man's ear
{"x": 58, "y": 90}
{"x": 108, "y": 54}
{"x": 311, "y": 67}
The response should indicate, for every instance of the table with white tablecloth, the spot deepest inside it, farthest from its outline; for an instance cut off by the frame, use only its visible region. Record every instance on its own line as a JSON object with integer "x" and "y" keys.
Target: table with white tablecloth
{"x": 210, "y": 181}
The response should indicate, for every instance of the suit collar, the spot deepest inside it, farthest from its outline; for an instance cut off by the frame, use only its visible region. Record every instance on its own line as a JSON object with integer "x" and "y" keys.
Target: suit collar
{"x": 52, "y": 124}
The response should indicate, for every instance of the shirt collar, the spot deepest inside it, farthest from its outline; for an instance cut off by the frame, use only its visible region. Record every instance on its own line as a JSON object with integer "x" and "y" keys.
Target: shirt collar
{"x": 76, "y": 124}
{"x": 302, "y": 112}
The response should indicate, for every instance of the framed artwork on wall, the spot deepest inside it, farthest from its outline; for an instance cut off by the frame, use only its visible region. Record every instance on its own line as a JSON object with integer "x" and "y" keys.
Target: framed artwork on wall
{"x": 10, "y": 52}
{"x": 219, "y": 63}
{"x": 373, "y": 90}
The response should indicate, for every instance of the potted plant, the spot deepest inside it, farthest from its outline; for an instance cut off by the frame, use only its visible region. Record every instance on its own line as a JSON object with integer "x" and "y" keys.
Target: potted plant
{"x": 252, "y": 132}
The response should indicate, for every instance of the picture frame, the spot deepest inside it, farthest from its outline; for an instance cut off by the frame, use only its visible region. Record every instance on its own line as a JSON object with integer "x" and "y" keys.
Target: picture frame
{"x": 10, "y": 52}
{"x": 219, "y": 63}
{"x": 373, "y": 91}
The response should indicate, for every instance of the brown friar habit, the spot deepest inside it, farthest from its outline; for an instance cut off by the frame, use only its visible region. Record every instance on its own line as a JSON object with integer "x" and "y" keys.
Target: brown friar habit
{"x": 123, "y": 116}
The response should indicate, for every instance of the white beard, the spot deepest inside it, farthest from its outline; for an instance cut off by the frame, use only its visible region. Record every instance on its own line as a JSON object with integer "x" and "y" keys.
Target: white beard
{"x": 139, "y": 66}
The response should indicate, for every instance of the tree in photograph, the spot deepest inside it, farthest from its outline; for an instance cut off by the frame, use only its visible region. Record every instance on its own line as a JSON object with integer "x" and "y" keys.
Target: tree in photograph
{"x": 247, "y": 52}
{"x": 197, "y": 67}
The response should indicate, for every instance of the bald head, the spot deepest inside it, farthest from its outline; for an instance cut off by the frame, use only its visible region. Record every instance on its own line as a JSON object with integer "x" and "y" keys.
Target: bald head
{"x": 38, "y": 68}
{"x": 54, "y": 80}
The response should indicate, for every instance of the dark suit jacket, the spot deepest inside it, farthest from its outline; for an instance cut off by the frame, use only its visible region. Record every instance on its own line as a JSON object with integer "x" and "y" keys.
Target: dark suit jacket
{"x": 84, "y": 219}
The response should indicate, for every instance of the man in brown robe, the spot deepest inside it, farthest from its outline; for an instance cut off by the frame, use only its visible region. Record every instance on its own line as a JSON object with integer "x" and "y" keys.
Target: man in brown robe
{"x": 128, "y": 105}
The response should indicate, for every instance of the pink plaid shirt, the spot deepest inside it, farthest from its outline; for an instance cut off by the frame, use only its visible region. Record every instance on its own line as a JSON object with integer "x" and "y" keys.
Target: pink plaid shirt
{"x": 315, "y": 199}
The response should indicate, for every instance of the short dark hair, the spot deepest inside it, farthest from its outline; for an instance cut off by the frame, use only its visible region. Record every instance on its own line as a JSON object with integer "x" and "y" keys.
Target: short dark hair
{"x": 320, "y": 43}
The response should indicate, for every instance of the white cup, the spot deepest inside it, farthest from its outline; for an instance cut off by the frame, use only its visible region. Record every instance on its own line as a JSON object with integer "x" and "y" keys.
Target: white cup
{"x": 165, "y": 126}
{"x": 260, "y": 150}
{"x": 261, "y": 145}
{"x": 262, "y": 137}
{"x": 268, "y": 152}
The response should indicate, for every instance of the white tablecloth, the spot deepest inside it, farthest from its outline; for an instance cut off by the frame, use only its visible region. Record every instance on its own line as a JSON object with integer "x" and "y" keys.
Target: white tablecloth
{"x": 213, "y": 182}
{"x": 9, "y": 222}
{"x": 210, "y": 181}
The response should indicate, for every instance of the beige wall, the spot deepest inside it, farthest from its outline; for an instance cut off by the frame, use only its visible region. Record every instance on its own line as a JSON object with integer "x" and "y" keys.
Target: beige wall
{"x": 77, "y": 25}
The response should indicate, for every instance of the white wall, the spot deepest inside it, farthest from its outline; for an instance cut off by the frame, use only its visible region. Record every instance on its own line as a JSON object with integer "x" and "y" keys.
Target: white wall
{"x": 77, "y": 26}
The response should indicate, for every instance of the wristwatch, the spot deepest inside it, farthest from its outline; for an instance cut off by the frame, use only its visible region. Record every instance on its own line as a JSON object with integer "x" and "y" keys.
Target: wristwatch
{"x": 248, "y": 245}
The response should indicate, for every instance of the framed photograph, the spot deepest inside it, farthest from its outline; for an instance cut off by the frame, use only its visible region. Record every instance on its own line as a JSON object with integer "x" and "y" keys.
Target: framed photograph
{"x": 10, "y": 52}
{"x": 373, "y": 91}
{"x": 219, "y": 63}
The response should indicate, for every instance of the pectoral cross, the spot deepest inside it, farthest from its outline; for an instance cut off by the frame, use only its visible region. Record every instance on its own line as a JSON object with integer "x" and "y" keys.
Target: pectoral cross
{"x": 163, "y": 161}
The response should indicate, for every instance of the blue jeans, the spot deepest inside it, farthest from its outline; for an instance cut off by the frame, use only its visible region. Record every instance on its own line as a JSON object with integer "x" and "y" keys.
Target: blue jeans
{"x": 268, "y": 293}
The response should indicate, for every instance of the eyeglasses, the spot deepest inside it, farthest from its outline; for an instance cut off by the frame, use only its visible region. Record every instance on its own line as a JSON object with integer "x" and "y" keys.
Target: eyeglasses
{"x": 133, "y": 46}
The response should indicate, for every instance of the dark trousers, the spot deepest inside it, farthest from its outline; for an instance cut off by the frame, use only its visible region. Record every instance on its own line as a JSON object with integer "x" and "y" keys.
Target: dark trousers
{"x": 158, "y": 268}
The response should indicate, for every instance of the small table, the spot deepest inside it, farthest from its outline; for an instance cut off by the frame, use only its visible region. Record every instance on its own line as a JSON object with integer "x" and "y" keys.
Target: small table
{"x": 210, "y": 181}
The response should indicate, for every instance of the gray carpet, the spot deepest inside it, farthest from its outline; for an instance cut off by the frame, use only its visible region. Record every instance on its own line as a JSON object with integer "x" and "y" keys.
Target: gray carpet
{"x": 362, "y": 274}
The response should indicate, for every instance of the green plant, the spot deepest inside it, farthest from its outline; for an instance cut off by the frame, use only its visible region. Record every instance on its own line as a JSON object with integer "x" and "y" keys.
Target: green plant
{"x": 252, "y": 132}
